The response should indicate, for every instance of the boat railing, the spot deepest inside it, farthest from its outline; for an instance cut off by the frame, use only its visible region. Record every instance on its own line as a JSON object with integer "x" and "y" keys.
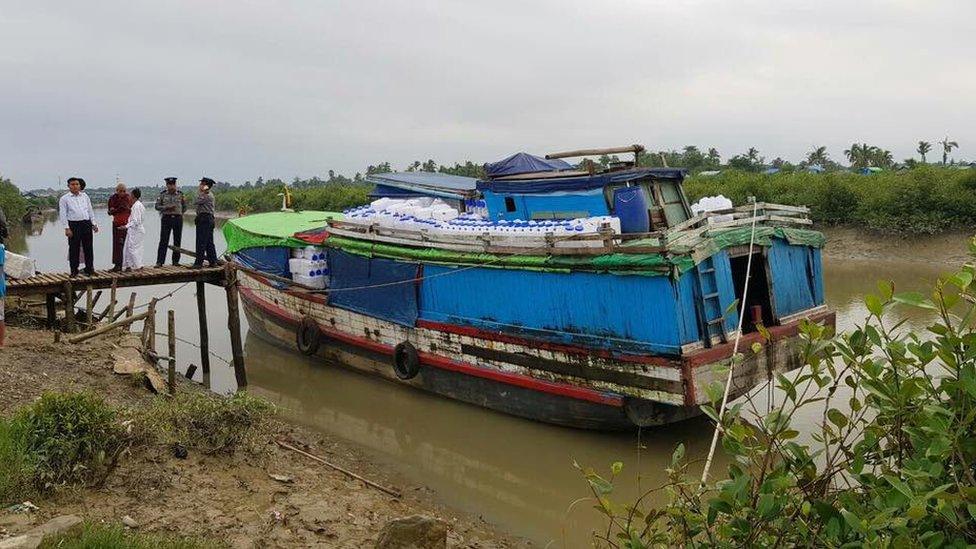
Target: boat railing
{"x": 761, "y": 213}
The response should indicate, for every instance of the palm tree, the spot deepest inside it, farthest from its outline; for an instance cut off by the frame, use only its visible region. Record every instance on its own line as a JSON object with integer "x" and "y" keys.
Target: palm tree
{"x": 923, "y": 148}
{"x": 818, "y": 156}
{"x": 857, "y": 155}
{"x": 947, "y": 147}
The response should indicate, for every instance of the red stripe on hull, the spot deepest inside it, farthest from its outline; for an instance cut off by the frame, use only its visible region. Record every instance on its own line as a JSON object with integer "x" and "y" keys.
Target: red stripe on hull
{"x": 438, "y": 361}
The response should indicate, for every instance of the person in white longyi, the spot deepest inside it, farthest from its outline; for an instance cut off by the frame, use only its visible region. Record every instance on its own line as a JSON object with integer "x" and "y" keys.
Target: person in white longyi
{"x": 135, "y": 233}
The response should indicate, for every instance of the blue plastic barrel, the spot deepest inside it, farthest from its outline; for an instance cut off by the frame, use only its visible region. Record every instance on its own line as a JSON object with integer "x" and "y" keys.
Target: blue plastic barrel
{"x": 630, "y": 205}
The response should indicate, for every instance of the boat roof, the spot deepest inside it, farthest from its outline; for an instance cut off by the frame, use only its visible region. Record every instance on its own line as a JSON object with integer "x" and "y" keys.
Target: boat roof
{"x": 523, "y": 163}
{"x": 422, "y": 183}
{"x": 559, "y": 181}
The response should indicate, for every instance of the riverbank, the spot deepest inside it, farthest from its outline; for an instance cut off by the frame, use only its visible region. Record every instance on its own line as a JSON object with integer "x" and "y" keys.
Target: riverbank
{"x": 260, "y": 495}
{"x": 949, "y": 248}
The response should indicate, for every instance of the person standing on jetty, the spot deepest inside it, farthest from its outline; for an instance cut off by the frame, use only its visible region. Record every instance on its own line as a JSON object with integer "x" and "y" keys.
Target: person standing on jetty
{"x": 78, "y": 219}
{"x": 171, "y": 206}
{"x": 118, "y": 207}
{"x": 135, "y": 233}
{"x": 205, "y": 224}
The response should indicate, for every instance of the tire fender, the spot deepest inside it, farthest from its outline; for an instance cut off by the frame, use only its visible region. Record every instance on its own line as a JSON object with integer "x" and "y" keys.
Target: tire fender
{"x": 406, "y": 361}
{"x": 308, "y": 337}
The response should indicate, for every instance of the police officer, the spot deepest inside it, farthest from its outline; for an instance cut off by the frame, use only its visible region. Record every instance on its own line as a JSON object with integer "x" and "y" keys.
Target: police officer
{"x": 171, "y": 204}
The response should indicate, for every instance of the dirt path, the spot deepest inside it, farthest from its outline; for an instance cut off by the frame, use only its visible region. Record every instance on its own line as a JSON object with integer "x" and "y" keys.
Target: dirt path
{"x": 225, "y": 498}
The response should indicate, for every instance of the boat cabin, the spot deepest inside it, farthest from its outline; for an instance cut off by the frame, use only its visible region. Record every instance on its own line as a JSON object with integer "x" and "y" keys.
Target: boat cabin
{"x": 526, "y": 187}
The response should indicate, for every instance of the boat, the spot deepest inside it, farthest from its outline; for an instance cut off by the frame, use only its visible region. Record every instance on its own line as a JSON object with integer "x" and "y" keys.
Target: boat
{"x": 575, "y": 295}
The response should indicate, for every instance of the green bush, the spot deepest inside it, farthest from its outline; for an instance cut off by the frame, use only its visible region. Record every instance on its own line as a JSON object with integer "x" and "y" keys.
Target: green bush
{"x": 102, "y": 536}
{"x": 13, "y": 204}
{"x": 62, "y": 439}
{"x": 890, "y": 461}
{"x": 927, "y": 199}
{"x": 204, "y": 422}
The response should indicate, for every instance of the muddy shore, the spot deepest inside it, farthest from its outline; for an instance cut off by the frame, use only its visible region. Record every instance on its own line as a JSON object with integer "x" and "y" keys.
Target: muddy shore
{"x": 224, "y": 498}
{"x": 848, "y": 243}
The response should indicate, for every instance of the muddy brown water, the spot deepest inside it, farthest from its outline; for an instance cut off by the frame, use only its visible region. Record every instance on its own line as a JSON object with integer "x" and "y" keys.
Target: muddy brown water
{"x": 512, "y": 472}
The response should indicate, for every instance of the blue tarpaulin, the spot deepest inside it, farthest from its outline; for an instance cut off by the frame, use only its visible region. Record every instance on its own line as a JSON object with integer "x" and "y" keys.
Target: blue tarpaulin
{"x": 269, "y": 259}
{"x": 380, "y": 288}
{"x": 577, "y": 183}
{"x": 524, "y": 163}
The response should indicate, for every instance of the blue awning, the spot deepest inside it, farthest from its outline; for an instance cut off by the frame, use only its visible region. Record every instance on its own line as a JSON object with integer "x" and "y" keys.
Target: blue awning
{"x": 577, "y": 183}
{"x": 522, "y": 162}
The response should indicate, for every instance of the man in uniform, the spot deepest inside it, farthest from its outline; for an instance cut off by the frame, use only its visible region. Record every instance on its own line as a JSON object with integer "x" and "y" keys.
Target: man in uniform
{"x": 171, "y": 204}
{"x": 118, "y": 207}
{"x": 205, "y": 224}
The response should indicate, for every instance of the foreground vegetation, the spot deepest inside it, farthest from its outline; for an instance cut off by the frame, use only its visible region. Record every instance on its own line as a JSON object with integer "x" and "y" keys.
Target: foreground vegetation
{"x": 889, "y": 464}
{"x": 76, "y": 439}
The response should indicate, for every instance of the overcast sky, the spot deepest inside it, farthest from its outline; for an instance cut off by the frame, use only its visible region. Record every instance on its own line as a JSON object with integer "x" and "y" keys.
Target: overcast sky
{"x": 235, "y": 90}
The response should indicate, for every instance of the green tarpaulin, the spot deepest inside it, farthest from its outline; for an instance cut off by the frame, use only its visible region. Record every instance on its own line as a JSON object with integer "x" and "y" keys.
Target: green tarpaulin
{"x": 273, "y": 229}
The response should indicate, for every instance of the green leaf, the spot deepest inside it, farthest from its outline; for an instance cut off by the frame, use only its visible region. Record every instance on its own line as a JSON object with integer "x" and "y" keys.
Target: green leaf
{"x": 837, "y": 418}
{"x": 886, "y": 288}
{"x": 914, "y": 299}
{"x": 616, "y": 467}
{"x": 679, "y": 453}
{"x": 873, "y": 304}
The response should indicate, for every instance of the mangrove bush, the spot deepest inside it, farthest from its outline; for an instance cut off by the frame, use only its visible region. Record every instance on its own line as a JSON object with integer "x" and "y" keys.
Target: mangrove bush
{"x": 890, "y": 462}
{"x": 927, "y": 199}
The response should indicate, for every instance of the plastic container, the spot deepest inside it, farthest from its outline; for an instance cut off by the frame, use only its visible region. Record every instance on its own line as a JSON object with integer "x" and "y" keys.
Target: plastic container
{"x": 630, "y": 206}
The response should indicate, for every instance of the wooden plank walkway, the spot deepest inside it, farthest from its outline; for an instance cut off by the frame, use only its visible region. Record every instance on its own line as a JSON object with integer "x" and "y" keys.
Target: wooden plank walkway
{"x": 50, "y": 283}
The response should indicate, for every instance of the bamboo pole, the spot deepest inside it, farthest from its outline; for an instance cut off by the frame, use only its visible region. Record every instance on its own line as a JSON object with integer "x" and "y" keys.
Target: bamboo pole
{"x": 204, "y": 330}
{"x": 234, "y": 325}
{"x": 132, "y": 304}
{"x": 171, "y": 337}
{"x": 636, "y": 149}
{"x": 107, "y": 328}
{"x": 313, "y": 457}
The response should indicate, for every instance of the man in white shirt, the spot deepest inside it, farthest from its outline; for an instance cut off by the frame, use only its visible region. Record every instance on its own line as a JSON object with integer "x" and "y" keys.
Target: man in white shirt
{"x": 78, "y": 219}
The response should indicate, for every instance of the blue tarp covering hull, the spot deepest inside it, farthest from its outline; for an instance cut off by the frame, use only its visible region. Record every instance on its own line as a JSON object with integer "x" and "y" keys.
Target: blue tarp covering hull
{"x": 634, "y": 314}
{"x": 380, "y": 288}
{"x": 269, "y": 259}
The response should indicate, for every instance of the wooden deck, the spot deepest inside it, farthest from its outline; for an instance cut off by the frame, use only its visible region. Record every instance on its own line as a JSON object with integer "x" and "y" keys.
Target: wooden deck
{"x": 51, "y": 283}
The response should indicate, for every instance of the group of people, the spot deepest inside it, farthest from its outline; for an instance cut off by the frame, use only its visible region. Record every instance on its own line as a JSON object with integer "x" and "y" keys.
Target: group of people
{"x": 128, "y": 230}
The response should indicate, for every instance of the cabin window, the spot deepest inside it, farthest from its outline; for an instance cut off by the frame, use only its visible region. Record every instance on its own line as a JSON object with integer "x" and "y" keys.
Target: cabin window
{"x": 672, "y": 202}
{"x": 510, "y": 204}
{"x": 758, "y": 293}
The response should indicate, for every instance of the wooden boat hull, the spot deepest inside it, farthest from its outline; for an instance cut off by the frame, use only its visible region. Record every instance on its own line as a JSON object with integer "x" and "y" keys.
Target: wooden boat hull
{"x": 534, "y": 380}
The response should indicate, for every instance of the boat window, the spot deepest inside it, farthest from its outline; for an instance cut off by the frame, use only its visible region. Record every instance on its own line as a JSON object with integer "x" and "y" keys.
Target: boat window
{"x": 673, "y": 203}
{"x": 510, "y": 204}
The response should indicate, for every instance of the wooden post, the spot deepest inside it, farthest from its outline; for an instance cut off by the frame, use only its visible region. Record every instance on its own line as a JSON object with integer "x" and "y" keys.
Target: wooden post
{"x": 204, "y": 335}
{"x": 132, "y": 304}
{"x": 234, "y": 325}
{"x": 52, "y": 313}
{"x": 148, "y": 329}
{"x": 89, "y": 305}
{"x": 69, "y": 307}
{"x": 171, "y": 336}
{"x": 111, "y": 303}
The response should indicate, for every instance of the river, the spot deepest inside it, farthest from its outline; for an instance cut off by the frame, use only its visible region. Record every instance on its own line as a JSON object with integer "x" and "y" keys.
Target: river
{"x": 512, "y": 472}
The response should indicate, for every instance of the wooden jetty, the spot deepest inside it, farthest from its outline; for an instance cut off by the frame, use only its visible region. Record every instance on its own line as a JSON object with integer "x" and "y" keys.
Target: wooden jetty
{"x": 61, "y": 287}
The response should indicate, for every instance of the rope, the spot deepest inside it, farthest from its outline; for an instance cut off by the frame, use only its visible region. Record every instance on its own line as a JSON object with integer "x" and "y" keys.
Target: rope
{"x": 185, "y": 284}
{"x": 735, "y": 348}
{"x": 192, "y": 344}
